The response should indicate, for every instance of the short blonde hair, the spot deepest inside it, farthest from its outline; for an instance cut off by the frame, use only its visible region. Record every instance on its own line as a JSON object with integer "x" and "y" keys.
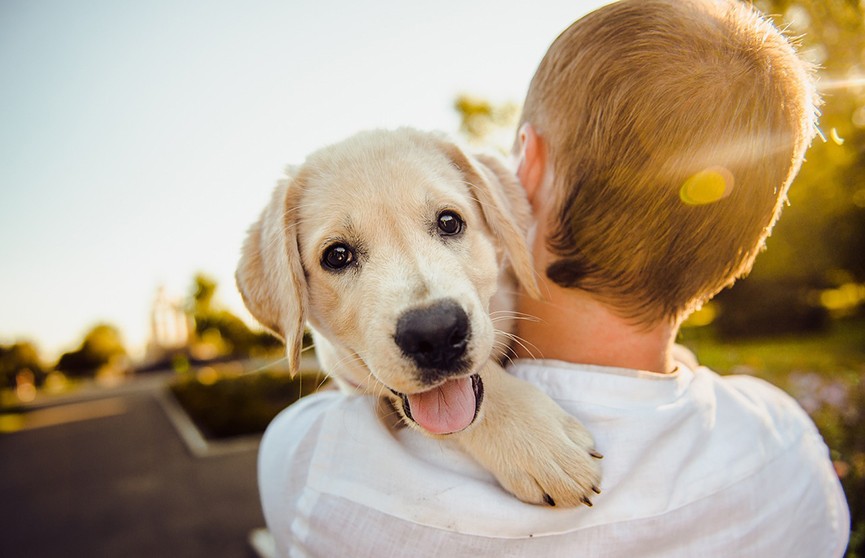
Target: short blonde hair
{"x": 673, "y": 130}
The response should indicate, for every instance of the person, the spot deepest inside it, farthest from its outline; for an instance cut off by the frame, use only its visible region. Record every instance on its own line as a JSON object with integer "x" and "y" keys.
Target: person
{"x": 657, "y": 143}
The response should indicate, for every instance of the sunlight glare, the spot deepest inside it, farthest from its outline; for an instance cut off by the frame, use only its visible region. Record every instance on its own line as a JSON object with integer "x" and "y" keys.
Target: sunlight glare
{"x": 835, "y": 84}
{"x": 707, "y": 186}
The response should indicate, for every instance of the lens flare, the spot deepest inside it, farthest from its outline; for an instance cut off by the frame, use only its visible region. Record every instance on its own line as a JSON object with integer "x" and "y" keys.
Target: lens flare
{"x": 851, "y": 82}
{"x": 707, "y": 186}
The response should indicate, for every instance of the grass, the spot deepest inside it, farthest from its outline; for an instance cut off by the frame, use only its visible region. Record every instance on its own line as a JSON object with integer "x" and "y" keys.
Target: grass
{"x": 839, "y": 353}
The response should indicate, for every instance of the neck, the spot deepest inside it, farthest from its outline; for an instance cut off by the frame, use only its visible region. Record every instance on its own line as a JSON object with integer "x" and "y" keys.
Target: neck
{"x": 572, "y": 326}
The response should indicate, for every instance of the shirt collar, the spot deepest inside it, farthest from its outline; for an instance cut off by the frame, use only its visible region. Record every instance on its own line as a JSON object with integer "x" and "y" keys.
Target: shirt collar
{"x": 604, "y": 385}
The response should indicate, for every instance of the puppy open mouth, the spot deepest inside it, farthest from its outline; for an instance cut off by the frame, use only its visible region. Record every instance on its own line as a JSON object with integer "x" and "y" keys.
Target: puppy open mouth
{"x": 447, "y": 408}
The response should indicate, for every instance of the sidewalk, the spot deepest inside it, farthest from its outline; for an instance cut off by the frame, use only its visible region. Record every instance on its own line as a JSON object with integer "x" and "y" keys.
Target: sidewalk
{"x": 111, "y": 477}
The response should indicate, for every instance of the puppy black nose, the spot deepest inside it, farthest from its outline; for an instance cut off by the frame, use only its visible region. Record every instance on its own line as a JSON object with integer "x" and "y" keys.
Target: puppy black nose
{"x": 434, "y": 337}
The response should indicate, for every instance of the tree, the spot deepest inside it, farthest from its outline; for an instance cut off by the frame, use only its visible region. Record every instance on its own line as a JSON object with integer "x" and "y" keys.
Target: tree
{"x": 203, "y": 291}
{"x": 485, "y": 123}
{"x": 17, "y": 359}
{"x": 222, "y": 331}
{"x": 102, "y": 346}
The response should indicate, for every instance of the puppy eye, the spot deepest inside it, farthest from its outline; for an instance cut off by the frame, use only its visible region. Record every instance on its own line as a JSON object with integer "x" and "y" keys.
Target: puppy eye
{"x": 337, "y": 256}
{"x": 449, "y": 223}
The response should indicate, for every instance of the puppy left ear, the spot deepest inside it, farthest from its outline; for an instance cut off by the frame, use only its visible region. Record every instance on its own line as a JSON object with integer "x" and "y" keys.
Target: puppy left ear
{"x": 504, "y": 206}
{"x": 270, "y": 276}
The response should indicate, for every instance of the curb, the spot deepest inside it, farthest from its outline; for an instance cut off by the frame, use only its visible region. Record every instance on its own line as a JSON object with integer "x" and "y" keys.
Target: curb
{"x": 195, "y": 442}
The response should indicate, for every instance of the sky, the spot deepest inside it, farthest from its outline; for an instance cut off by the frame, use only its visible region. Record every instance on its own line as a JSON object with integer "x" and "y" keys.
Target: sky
{"x": 139, "y": 140}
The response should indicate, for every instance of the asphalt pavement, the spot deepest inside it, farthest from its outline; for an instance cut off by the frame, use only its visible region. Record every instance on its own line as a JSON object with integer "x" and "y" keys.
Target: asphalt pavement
{"x": 110, "y": 476}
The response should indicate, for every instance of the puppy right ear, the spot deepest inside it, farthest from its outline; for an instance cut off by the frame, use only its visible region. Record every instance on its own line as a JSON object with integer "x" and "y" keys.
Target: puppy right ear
{"x": 270, "y": 275}
{"x": 504, "y": 206}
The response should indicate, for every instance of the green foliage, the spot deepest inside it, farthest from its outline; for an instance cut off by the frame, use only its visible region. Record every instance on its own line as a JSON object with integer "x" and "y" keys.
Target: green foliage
{"x": 836, "y": 352}
{"x": 227, "y": 334}
{"x": 203, "y": 291}
{"x": 102, "y": 346}
{"x": 226, "y": 405}
{"x": 19, "y": 358}
{"x": 769, "y": 307}
{"x": 485, "y": 123}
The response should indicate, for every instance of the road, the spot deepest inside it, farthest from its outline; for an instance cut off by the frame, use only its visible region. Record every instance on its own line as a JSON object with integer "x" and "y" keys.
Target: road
{"x": 111, "y": 477}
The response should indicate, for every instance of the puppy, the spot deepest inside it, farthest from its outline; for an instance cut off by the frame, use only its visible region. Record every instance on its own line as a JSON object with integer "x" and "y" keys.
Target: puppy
{"x": 391, "y": 246}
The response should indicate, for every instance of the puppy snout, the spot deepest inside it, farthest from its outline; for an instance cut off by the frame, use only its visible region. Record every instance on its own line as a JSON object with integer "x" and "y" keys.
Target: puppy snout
{"x": 435, "y": 337}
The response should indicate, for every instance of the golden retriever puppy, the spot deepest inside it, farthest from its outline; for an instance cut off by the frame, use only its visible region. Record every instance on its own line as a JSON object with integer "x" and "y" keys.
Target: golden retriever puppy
{"x": 392, "y": 246}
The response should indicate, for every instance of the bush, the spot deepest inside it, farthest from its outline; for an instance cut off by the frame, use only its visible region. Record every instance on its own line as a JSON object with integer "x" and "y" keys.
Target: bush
{"x": 762, "y": 307}
{"x": 20, "y": 358}
{"x": 101, "y": 347}
{"x": 226, "y": 405}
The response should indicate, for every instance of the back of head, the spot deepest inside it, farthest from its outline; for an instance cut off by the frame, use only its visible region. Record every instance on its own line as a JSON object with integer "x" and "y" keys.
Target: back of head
{"x": 673, "y": 130}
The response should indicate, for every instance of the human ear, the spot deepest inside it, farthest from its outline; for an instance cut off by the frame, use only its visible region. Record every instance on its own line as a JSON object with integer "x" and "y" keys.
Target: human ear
{"x": 532, "y": 165}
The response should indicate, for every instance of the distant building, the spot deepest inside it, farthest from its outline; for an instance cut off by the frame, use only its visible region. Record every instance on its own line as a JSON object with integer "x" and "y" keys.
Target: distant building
{"x": 170, "y": 328}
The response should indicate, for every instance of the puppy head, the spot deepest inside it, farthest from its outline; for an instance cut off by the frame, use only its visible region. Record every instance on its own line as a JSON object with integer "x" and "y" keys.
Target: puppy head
{"x": 390, "y": 245}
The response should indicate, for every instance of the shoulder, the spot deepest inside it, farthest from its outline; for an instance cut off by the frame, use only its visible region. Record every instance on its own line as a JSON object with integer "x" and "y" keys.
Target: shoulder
{"x": 799, "y": 478}
{"x": 335, "y": 448}
{"x": 753, "y": 399}
{"x": 312, "y": 430}
{"x": 301, "y": 417}
{"x": 286, "y": 448}
{"x": 339, "y": 445}
{"x": 315, "y": 453}
{"x": 759, "y": 426}
{"x": 287, "y": 432}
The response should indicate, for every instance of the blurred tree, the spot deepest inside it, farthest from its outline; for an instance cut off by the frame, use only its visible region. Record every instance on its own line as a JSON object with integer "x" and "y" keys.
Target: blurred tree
{"x": 203, "y": 290}
{"x": 485, "y": 123}
{"x": 19, "y": 358}
{"x": 102, "y": 346}
{"x": 218, "y": 331}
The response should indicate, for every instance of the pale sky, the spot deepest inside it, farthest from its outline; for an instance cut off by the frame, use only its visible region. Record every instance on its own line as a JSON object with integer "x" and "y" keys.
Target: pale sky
{"x": 139, "y": 140}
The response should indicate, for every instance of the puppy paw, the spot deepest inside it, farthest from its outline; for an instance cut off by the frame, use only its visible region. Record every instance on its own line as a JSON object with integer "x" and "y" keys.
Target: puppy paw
{"x": 535, "y": 450}
{"x": 559, "y": 466}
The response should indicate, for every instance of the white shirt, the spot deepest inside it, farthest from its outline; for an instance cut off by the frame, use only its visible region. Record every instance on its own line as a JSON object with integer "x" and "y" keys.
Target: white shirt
{"x": 695, "y": 465}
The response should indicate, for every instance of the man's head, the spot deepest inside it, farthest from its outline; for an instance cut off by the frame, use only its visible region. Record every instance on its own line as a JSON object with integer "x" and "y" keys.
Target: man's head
{"x": 663, "y": 135}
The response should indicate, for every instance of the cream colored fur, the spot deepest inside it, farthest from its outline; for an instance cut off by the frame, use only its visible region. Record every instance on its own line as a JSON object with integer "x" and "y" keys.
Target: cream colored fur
{"x": 381, "y": 192}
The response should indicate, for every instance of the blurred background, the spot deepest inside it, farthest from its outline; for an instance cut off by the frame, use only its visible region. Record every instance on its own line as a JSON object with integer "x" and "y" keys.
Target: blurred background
{"x": 138, "y": 141}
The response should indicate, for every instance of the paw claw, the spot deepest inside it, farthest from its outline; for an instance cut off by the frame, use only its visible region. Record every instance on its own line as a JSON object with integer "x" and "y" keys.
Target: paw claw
{"x": 586, "y": 501}
{"x": 596, "y": 490}
{"x": 549, "y": 500}
{"x": 594, "y": 453}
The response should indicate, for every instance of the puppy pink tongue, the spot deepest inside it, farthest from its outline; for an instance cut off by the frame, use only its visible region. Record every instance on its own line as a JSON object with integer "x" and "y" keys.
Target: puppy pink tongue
{"x": 448, "y": 408}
